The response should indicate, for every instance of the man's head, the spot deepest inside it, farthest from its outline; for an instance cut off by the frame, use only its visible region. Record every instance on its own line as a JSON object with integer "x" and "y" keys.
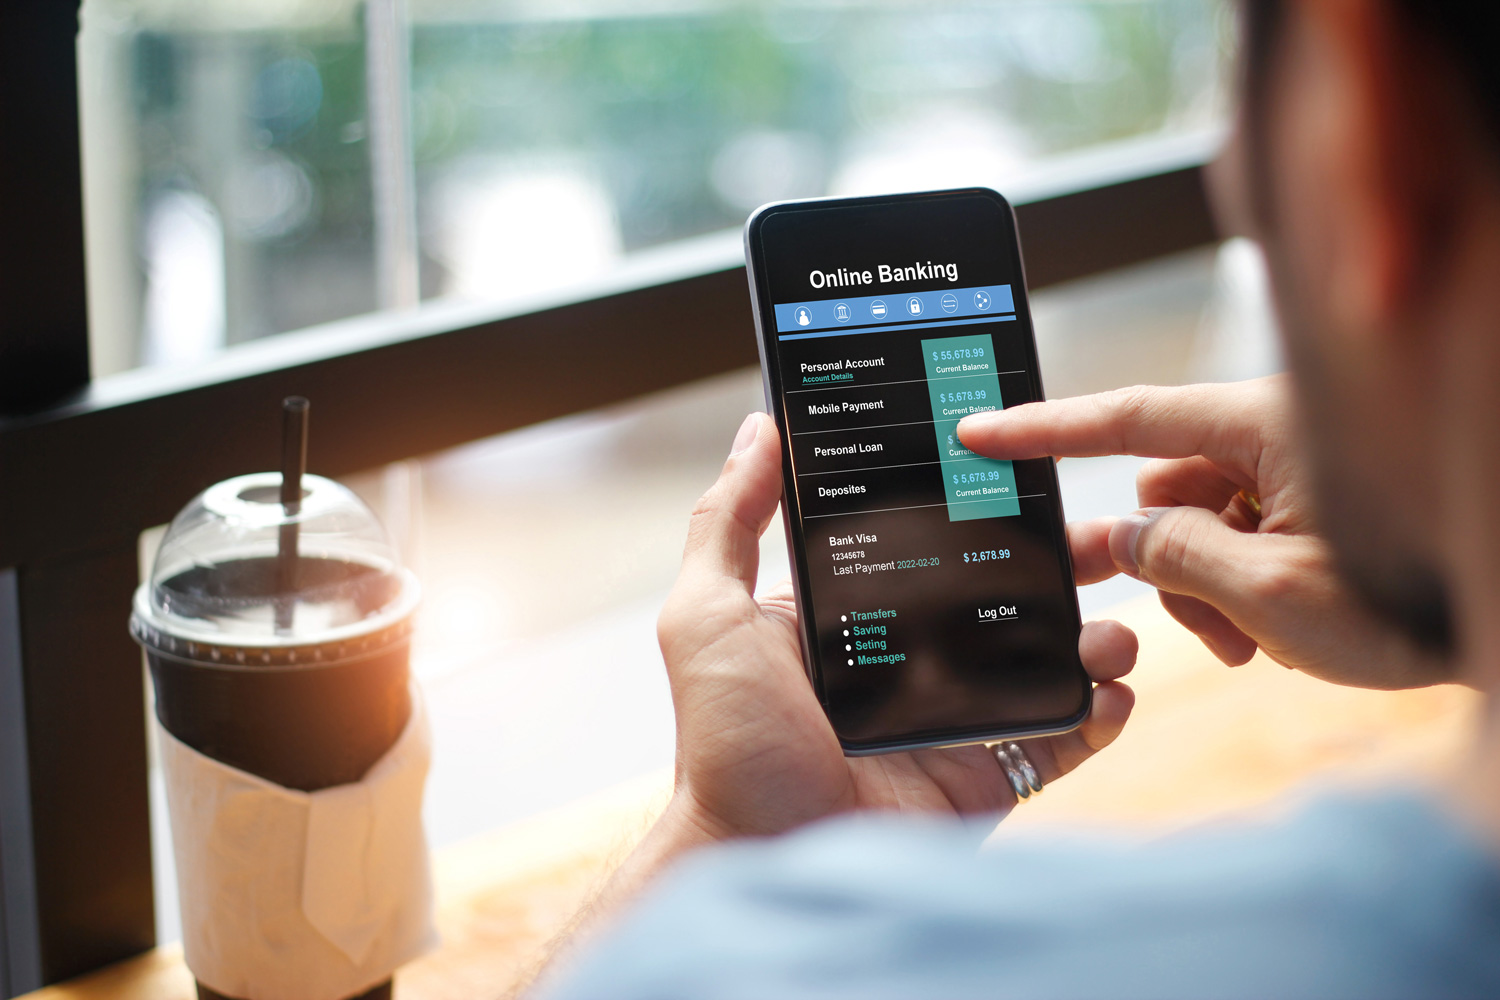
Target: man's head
{"x": 1367, "y": 162}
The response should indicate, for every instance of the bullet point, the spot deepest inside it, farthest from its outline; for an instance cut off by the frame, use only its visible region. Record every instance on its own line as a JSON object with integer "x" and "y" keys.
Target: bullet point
{"x": 846, "y": 631}
{"x": 843, "y": 618}
{"x": 848, "y": 647}
{"x": 851, "y": 663}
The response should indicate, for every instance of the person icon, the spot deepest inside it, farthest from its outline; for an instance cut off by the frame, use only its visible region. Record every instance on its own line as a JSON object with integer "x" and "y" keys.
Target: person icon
{"x": 804, "y": 316}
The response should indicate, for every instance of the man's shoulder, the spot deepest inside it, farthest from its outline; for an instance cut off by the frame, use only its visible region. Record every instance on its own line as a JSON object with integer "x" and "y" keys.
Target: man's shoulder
{"x": 1357, "y": 896}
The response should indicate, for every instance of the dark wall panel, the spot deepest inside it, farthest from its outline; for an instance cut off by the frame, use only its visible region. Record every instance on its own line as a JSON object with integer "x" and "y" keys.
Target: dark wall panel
{"x": 43, "y": 315}
{"x": 85, "y": 706}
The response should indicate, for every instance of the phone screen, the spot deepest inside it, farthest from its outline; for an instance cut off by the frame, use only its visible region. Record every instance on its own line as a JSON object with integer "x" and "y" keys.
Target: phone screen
{"x": 935, "y": 589}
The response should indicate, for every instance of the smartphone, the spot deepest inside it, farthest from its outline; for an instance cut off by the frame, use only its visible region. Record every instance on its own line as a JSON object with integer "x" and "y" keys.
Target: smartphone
{"x": 934, "y": 586}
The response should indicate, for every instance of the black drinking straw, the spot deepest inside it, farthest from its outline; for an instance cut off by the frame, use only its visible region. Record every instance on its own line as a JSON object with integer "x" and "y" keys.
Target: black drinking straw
{"x": 293, "y": 465}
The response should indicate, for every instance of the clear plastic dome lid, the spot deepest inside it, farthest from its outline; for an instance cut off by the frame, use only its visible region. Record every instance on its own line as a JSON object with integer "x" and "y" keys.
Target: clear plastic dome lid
{"x": 223, "y": 587}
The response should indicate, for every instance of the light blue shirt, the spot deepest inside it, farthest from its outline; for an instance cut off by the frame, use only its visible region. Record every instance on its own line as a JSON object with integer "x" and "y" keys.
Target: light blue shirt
{"x": 1367, "y": 898}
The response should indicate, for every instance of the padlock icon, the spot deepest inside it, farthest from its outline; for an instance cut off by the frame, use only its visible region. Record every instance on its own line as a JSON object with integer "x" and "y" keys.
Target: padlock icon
{"x": 914, "y": 306}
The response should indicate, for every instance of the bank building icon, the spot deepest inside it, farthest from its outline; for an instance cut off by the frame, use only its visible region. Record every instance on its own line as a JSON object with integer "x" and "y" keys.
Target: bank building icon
{"x": 841, "y": 312}
{"x": 803, "y": 316}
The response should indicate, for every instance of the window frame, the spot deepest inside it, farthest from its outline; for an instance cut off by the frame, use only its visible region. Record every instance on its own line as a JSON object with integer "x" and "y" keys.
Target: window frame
{"x": 87, "y": 465}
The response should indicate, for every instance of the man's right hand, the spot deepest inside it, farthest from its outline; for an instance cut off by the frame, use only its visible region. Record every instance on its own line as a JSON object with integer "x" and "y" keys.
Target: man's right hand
{"x": 1237, "y": 578}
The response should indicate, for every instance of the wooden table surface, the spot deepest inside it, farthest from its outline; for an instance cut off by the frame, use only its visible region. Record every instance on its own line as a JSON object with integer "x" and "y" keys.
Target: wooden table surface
{"x": 1205, "y": 742}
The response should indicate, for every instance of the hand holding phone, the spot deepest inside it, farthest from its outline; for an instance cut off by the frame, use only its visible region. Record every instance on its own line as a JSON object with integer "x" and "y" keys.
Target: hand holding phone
{"x": 756, "y": 754}
{"x": 937, "y": 596}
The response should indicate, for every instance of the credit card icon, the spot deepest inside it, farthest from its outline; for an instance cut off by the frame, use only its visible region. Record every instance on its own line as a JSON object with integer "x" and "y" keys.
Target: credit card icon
{"x": 877, "y": 309}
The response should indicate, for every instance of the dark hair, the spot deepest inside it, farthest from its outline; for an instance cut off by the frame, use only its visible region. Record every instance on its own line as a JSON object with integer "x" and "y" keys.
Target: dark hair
{"x": 1462, "y": 27}
{"x": 1465, "y": 29}
{"x": 1260, "y": 26}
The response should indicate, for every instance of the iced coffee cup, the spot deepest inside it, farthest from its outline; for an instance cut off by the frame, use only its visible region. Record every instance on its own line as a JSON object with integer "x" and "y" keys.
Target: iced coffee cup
{"x": 281, "y": 674}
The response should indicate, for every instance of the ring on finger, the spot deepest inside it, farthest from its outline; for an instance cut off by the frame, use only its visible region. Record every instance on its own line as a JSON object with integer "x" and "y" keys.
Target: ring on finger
{"x": 1251, "y": 500}
{"x": 1019, "y": 770}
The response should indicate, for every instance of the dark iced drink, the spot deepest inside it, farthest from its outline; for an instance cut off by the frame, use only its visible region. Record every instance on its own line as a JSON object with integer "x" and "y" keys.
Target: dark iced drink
{"x": 298, "y": 674}
{"x": 305, "y": 715}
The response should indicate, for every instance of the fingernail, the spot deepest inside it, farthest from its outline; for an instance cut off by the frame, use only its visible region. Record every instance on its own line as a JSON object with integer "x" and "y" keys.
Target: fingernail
{"x": 979, "y": 419}
{"x": 1125, "y": 536}
{"x": 746, "y": 435}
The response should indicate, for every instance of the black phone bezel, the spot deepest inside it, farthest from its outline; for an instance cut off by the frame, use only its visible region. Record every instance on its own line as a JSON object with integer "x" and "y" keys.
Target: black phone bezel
{"x": 763, "y": 307}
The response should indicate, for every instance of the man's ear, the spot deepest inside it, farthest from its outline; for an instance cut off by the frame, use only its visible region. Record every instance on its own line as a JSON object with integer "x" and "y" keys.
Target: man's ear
{"x": 1387, "y": 127}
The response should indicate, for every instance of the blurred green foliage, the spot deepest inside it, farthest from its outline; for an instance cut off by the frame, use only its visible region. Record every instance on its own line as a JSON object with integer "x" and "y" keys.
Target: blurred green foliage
{"x": 647, "y": 106}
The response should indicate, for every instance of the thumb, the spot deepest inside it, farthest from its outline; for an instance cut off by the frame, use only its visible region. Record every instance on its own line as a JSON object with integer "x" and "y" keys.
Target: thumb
{"x": 723, "y": 542}
{"x": 1186, "y": 550}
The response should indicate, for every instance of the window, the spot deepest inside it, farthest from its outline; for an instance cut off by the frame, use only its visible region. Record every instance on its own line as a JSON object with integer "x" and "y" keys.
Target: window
{"x": 253, "y": 168}
{"x": 259, "y": 168}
